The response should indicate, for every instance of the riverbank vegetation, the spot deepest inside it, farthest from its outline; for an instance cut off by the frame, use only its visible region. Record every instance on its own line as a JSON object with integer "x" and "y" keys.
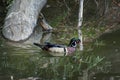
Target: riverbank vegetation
{"x": 99, "y": 16}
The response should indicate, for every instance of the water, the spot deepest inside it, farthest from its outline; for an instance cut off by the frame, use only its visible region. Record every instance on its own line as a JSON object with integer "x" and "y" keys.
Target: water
{"x": 111, "y": 51}
{"x": 24, "y": 60}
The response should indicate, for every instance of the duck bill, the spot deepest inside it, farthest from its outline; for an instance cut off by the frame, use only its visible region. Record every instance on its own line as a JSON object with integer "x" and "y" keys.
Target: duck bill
{"x": 78, "y": 41}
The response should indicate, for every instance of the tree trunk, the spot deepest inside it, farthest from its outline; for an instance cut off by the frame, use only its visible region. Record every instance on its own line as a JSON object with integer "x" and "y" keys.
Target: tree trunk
{"x": 80, "y": 19}
{"x": 22, "y": 19}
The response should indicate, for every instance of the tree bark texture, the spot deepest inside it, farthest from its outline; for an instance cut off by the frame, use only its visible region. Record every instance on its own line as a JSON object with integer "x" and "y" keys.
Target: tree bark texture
{"x": 22, "y": 18}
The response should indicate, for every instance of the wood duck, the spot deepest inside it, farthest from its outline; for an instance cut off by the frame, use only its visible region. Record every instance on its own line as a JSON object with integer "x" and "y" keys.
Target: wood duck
{"x": 64, "y": 50}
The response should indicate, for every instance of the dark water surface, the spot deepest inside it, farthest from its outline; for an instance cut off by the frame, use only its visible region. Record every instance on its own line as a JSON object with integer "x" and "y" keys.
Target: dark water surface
{"x": 24, "y": 60}
{"x": 111, "y": 51}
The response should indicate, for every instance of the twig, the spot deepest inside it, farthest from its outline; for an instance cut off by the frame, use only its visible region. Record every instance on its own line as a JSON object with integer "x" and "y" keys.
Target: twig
{"x": 67, "y": 6}
{"x": 96, "y": 3}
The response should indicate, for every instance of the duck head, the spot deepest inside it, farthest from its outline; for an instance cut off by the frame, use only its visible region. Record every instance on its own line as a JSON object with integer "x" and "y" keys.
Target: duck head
{"x": 74, "y": 42}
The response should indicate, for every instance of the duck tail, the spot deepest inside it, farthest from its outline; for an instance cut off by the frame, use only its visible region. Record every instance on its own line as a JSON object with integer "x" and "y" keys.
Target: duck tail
{"x": 39, "y": 45}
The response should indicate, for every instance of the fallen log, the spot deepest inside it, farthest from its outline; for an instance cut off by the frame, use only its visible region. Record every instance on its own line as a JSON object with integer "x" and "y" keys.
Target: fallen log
{"x": 21, "y": 19}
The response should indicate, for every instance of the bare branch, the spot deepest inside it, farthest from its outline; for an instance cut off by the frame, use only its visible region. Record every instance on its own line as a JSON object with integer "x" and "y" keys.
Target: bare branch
{"x": 80, "y": 19}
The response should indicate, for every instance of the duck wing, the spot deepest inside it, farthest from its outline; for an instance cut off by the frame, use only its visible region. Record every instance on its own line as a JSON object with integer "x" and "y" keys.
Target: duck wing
{"x": 53, "y": 45}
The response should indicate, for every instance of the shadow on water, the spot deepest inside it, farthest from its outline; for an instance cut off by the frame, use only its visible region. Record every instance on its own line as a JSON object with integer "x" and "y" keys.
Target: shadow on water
{"x": 99, "y": 61}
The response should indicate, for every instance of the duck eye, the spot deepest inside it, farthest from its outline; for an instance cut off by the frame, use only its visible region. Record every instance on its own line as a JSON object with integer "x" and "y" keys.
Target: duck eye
{"x": 73, "y": 44}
